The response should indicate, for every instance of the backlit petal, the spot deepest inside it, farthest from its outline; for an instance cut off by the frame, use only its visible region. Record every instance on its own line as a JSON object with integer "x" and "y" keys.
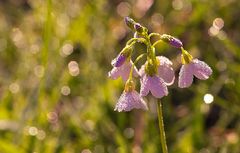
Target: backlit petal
{"x": 144, "y": 86}
{"x": 185, "y": 76}
{"x": 165, "y": 71}
{"x": 201, "y": 69}
{"x": 157, "y": 87}
{"x": 129, "y": 101}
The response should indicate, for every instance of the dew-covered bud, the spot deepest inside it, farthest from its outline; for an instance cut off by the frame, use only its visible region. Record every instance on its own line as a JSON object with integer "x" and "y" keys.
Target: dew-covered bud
{"x": 172, "y": 41}
{"x": 176, "y": 42}
{"x": 129, "y": 22}
{"x": 139, "y": 28}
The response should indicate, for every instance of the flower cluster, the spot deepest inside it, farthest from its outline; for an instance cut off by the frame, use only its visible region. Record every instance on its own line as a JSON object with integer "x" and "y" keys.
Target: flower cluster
{"x": 157, "y": 72}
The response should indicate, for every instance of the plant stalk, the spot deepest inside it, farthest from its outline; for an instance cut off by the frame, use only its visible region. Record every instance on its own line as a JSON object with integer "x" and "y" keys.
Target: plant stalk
{"x": 161, "y": 127}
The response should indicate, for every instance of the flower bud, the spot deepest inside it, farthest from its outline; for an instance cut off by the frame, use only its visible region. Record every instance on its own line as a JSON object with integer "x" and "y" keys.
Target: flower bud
{"x": 138, "y": 27}
{"x": 129, "y": 22}
{"x": 171, "y": 40}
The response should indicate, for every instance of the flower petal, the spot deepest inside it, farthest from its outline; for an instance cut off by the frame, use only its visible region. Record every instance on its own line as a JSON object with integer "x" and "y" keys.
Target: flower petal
{"x": 129, "y": 101}
{"x": 201, "y": 69}
{"x": 114, "y": 73}
{"x": 144, "y": 86}
{"x": 164, "y": 60}
{"x": 139, "y": 102}
{"x": 157, "y": 87}
{"x": 185, "y": 76}
{"x": 165, "y": 71}
{"x": 118, "y": 61}
{"x": 126, "y": 68}
{"x": 142, "y": 71}
{"x": 123, "y": 71}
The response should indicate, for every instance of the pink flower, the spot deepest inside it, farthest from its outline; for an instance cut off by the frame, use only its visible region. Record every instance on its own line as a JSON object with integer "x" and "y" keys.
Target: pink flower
{"x": 197, "y": 68}
{"x": 154, "y": 84}
{"x": 130, "y": 100}
{"x": 123, "y": 71}
{"x": 165, "y": 70}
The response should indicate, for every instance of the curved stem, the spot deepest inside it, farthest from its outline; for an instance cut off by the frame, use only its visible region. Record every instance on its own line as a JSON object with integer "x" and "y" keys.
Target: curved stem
{"x": 150, "y": 52}
{"x": 155, "y": 43}
{"x": 161, "y": 128}
{"x": 131, "y": 40}
{"x": 134, "y": 63}
{"x": 134, "y": 40}
{"x": 154, "y": 34}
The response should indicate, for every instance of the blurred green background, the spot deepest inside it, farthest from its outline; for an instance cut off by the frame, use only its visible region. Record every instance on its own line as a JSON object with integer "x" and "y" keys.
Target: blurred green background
{"x": 55, "y": 96}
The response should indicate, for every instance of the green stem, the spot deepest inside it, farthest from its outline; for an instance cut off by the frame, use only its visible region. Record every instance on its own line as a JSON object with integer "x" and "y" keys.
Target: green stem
{"x": 161, "y": 128}
{"x": 155, "y": 43}
{"x": 134, "y": 64}
{"x": 131, "y": 40}
{"x": 154, "y": 34}
{"x": 134, "y": 40}
{"x": 149, "y": 47}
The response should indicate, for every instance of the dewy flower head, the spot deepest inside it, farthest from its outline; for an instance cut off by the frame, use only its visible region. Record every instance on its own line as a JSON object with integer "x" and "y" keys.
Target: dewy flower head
{"x": 130, "y": 99}
{"x": 152, "y": 82}
{"x": 172, "y": 41}
{"x": 192, "y": 67}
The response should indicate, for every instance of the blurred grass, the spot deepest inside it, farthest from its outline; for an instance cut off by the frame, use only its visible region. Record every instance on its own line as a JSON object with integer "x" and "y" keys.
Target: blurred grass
{"x": 56, "y": 97}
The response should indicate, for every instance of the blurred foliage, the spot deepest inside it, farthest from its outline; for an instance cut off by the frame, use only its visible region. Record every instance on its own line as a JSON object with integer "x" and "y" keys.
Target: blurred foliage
{"x": 54, "y": 90}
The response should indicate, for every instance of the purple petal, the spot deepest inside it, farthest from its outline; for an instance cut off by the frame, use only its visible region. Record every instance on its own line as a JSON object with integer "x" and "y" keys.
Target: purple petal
{"x": 201, "y": 69}
{"x": 157, "y": 87}
{"x": 118, "y": 61}
{"x": 126, "y": 68}
{"x": 164, "y": 60}
{"x": 123, "y": 71}
{"x": 142, "y": 71}
{"x": 165, "y": 71}
{"x": 129, "y": 101}
{"x": 185, "y": 76}
{"x": 144, "y": 86}
{"x": 114, "y": 73}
